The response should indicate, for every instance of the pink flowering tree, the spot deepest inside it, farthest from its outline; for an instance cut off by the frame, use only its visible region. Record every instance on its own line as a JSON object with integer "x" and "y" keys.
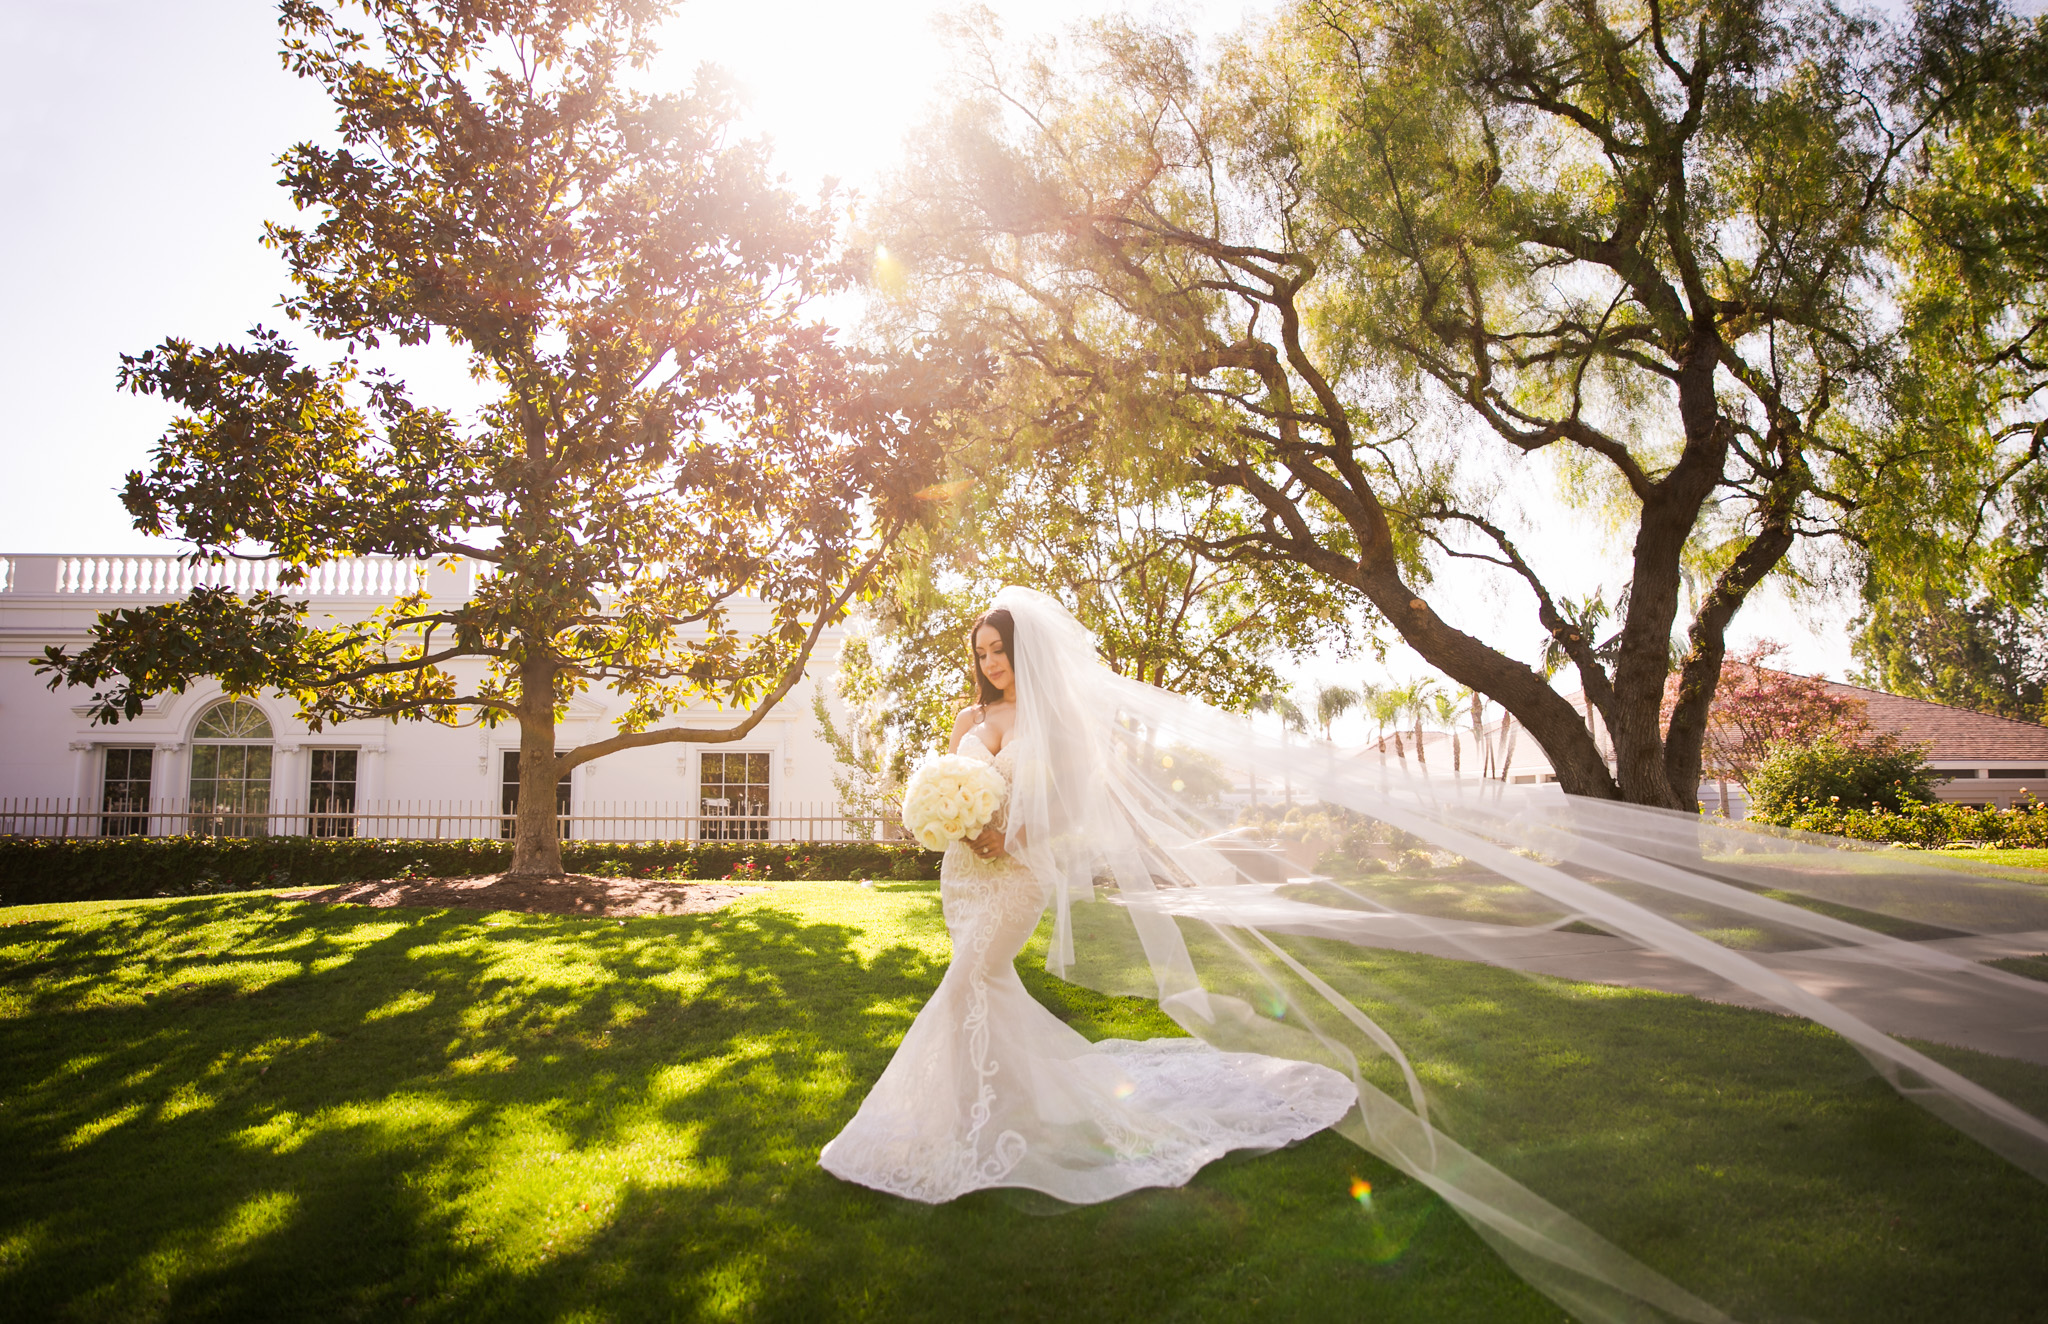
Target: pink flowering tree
{"x": 1757, "y": 707}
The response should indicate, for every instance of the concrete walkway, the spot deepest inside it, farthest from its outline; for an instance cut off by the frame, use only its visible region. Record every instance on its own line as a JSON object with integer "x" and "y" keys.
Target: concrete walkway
{"x": 1982, "y": 1007}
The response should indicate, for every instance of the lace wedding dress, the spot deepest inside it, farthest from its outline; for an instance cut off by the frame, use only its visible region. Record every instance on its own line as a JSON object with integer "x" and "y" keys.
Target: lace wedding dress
{"x": 990, "y": 1089}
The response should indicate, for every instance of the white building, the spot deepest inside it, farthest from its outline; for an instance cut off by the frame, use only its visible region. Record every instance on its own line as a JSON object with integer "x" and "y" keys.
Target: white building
{"x": 201, "y": 761}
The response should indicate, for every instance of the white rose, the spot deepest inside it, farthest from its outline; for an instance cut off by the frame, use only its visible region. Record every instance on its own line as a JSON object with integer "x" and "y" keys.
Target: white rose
{"x": 951, "y": 798}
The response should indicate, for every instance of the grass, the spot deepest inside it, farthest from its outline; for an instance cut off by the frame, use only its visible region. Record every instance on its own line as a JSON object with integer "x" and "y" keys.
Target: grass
{"x": 2018, "y": 857}
{"x": 1460, "y": 892}
{"x": 242, "y": 1108}
{"x": 246, "y": 1108}
{"x": 2033, "y": 967}
{"x": 1455, "y": 892}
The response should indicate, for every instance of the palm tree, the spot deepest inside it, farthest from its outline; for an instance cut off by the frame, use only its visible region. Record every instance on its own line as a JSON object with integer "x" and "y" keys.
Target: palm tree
{"x": 1384, "y": 704}
{"x": 1332, "y": 702}
{"x": 1583, "y": 620}
{"x": 1480, "y": 743}
{"x": 1277, "y": 701}
{"x": 1416, "y": 703}
{"x": 1291, "y": 719}
{"x": 1445, "y": 709}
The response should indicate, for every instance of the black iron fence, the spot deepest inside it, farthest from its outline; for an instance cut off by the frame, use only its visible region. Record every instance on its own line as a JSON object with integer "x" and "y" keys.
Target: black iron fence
{"x": 436, "y": 820}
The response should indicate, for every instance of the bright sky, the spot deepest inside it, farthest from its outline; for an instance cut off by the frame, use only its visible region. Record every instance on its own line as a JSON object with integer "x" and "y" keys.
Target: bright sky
{"x": 136, "y": 142}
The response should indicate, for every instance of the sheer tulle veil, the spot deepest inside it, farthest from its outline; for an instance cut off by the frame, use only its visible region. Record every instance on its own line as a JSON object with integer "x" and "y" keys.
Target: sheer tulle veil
{"x": 1174, "y": 842}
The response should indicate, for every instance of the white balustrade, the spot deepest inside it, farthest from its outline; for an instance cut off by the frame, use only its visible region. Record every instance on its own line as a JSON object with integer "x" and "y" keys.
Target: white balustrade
{"x": 382, "y": 577}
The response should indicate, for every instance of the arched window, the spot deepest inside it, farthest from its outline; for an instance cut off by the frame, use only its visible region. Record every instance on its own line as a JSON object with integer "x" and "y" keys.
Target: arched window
{"x": 231, "y": 771}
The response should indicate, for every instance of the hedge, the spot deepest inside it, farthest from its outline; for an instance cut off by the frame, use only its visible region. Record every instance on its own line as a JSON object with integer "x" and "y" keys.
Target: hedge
{"x": 44, "y": 869}
{"x": 1937, "y": 824}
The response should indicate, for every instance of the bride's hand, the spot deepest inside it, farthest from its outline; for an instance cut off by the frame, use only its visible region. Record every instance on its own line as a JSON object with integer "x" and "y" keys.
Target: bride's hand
{"x": 989, "y": 844}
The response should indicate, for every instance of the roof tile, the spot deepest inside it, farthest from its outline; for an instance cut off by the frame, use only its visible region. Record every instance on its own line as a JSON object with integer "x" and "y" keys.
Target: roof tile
{"x": 1952, "y": 733}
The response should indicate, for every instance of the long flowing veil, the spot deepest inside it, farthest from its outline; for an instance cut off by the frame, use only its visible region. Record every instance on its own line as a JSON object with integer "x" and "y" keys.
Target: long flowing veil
{"x": 1467, "y": 949}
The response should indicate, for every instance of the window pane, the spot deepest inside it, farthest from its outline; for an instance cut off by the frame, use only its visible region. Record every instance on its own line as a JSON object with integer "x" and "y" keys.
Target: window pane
{"x": 331, "y": 793}
{"x": 733, "y": 796}
{"x": 233, "y": 720}
{"x": 230, "y": 789}
{"x": 124, "y": 791}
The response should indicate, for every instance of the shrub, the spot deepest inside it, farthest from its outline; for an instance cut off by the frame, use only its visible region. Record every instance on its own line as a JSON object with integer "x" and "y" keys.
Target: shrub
{"x": 1878, "y": 774}
{"x": 1928, "y": 825}
{"x": 39, "y": 869}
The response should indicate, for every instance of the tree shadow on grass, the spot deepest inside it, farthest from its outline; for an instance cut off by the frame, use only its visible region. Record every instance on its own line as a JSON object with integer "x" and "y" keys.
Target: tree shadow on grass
{"x": 237, "y": 1108}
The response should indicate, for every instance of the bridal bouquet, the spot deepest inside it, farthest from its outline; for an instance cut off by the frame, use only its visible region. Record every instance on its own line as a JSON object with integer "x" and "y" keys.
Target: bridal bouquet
{"x": 951, "y": 798}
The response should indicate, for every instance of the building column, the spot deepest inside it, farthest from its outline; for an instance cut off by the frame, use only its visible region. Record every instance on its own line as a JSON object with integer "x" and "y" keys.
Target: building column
{"x": 82, "y": 793}
{"x": 169, "y": 788}
{"x": 285, "y": 778}
{"x": 369, "y": 787}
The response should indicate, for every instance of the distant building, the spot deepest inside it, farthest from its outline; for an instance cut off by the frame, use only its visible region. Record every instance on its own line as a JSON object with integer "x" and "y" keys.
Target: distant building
{"x": 202, "y": 761}
{"x": 1986, "y": 760}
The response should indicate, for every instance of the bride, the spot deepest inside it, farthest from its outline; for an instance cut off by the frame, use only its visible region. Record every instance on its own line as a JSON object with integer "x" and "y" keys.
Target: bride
{"x": 1145, "y": 823}
{"x": 988, "y": 1087}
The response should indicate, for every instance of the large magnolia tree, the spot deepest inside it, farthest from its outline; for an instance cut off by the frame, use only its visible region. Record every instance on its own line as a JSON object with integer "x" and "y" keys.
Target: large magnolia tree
{"x": 1380, "y": 269}
{"x": 671, "y": 431}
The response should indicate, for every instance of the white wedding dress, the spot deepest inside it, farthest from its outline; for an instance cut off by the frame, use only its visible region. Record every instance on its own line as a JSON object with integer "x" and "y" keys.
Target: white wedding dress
{"x": 991, "y": 1089}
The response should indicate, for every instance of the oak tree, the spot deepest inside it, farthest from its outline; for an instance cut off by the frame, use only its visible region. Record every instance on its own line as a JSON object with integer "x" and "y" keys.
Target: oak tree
{"x": 1953, "y": 580}
{"x": 1377, "y": 270}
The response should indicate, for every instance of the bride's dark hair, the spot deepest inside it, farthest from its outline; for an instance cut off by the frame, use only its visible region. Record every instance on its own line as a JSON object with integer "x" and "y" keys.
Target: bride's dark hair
{"x": 1006, "y": 630}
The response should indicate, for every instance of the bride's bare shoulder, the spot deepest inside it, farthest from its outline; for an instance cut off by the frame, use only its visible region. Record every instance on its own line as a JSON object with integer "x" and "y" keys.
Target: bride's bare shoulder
{"x": 964, "y": 723}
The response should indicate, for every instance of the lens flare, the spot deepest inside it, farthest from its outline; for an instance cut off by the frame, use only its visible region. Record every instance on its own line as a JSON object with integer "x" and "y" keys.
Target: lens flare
{"x": 944, "y": 491}
{"x": 1361, "y": 1191}
{"x": 1125, "y": 1089}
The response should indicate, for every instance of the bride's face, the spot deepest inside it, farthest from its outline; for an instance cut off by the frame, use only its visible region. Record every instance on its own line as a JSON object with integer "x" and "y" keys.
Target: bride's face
{"x": 995, "y": 663}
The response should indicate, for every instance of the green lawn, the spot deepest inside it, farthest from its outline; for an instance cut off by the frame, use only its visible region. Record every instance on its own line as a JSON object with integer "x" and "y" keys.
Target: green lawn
{"x": 241, "y": 1107}
{"x": 2020, "y": 857}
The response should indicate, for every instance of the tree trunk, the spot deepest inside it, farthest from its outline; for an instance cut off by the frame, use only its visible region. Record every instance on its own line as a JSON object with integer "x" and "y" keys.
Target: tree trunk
{"x": 1519, "y": 689}
{"x": 536, "y": 835}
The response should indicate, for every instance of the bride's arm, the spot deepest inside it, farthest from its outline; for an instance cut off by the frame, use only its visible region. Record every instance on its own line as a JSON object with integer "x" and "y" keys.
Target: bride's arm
{"x": 961, "y": 726}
